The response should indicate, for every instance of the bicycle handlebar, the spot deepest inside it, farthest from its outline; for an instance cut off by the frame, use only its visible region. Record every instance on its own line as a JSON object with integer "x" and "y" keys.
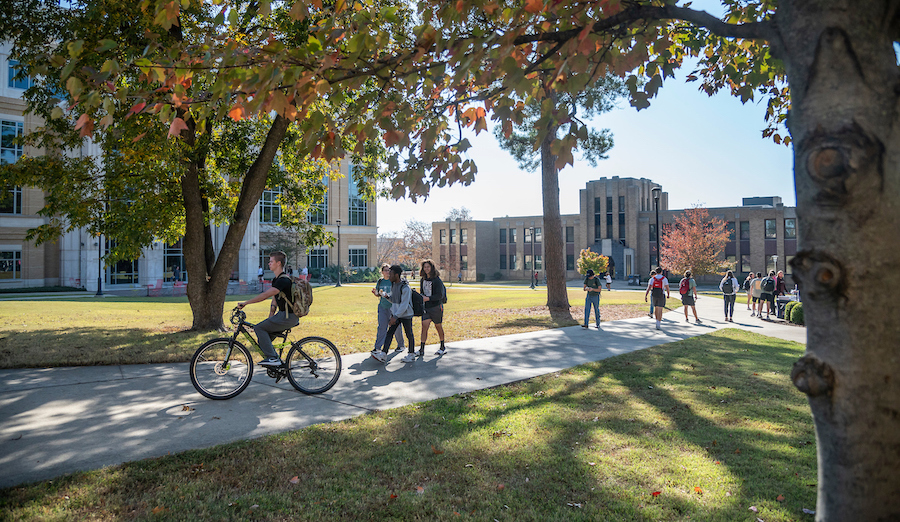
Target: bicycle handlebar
{"x": 238, "y": 316}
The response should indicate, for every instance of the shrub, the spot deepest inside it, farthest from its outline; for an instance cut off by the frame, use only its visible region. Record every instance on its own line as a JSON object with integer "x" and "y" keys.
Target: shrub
{"x": 497, "y": 276}
{"x": 479, "y": 278}
{"x": 787, "y": 309}
{"x": 591, "y": 260}
{"x": 797, "y": 314}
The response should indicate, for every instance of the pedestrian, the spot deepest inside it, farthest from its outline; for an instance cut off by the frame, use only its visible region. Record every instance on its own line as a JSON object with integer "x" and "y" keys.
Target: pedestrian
{"x": 459, "y": 278}
{"x": 434, "y": 294}
{"x": 281, "y": 315}
{"x": 290, "y": 271}
{"x": 755, "y": 292}
{"x": 729, "y": 286}
{"x": 592, "y": 298}
{"x": 659, "y": 284}
{"x": 608, "y": 281}
{"x": 652, "y": 273}
{"x": 304, "y": 273}
{"x": 747, "y": 288}
{"x": 536, "y": 275}
{"x": 780, "y": 287}
{"x": 177, "y": 273}
{"x": 401, "y": 314}
{"x": 259, "y": 275}
{"x": 767, "y": 294}
{"x": 688, "y": 290}
{"x": 382, "y": 290}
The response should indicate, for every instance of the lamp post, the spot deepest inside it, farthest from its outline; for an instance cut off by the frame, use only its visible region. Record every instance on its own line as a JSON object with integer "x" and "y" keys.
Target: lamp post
{"x": 657, "y": 192}
{"x": 533, "y": 264}
{"x": 338, "y": 221}
{"x": 99, "y": 266}
{"x": 775, "y": 262}
{"x": 459, "y": 245}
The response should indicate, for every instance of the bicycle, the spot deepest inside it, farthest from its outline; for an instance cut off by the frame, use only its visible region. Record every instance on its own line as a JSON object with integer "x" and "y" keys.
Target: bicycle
{"x": 222, "y": 368}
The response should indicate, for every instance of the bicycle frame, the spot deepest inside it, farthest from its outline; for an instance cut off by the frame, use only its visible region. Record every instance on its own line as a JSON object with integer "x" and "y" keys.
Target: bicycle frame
{"x": 242, "y": 329}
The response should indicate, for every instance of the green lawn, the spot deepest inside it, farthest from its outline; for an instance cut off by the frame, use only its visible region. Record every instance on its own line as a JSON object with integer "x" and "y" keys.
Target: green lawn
{"x": 708, "y": 429}
{"x": 119, "y": 330}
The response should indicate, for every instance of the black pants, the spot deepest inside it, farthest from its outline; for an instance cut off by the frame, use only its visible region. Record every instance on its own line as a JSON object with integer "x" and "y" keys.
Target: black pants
{"x": 407, "y": 327}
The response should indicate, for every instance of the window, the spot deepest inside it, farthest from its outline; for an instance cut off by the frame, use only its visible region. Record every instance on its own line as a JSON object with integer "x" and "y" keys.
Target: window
{"x": 464, "y": 262}
{"x": 11, "y": 200}
{"x": 318, "y": 213}
{"x": 513, "y": 262}
{"x": 537, "y": 262}
{"x": 653, "y": 262}
{"x": 609, "y": 217}
{"x": 745, "y": 230}
{"x": 359, "y": 257}
{"x": 609, "y": 204}
{"x": 621, "y": 225}
{"x": 269, "y": 208}
{"x": 570, "y": 261}
{"x": 463, "y": 236}
{"x": 174, "y": 258}
{"x": 653, "y": 232}
{"x": 745, "y": 263}
{"x": 512, "y": 235}
{"x": 598, "y": 218}
{"x": 452, "y": 236}
{"x": 527, "y": 235}
{"x": 788, "y": 269}
{"x": 790, "y": 228}
{"x": 502, "y": 261}
{"x": 124, "y": 272}
{"x": 317, "y": 258}
{"x": 527, "y": 262}
{"x": 731, "y": 260}
{"x": 570, "y": 234}
{"x": 10, "y": 152}
{"x": 10, "y": 265}
{"x": 503, "y": 235}
{"x": 17, "y": 83}
{"x": 443, "y": 235}
{"x": 358, "y": 210}
{"x": 771, "y": 232}
{"x": 621, "y": 204}
{"x": 538, "y": 236}
{"x": 730, "y": 228}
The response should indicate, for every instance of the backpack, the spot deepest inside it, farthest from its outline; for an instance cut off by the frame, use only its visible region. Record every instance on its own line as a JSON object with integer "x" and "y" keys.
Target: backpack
{"x": 728, "y": 287}
{"x": 684, "y": 287}
{"x": 301, "y": 296}
{"x": 443, "y": 299}
{"x": 418, "y": 304}
{"x": 768, "y": 285}
{"x": 657, "y": 286}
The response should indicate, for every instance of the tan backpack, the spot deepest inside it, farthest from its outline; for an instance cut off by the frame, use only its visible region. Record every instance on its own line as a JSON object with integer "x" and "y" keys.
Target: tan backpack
{"x": 301, "y": 297}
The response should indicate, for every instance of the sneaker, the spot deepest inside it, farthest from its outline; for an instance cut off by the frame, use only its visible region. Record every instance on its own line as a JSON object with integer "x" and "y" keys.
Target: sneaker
{"x": 699, "y": 321}
{"x": 399, "y": 348}
{"x": 441, "y": 351}
{"x": 598, "y": 326}
{"x": 687, "y": 320}
{"x": 421, "y": 353}
{"x": 379, "y": 356}
{"x": 273, "y": 362}
{"x": 753, "y": 314}
{"x": 410, "y": 357}
{"x": 658, "y": 328}
{"x": 584, "y": 326}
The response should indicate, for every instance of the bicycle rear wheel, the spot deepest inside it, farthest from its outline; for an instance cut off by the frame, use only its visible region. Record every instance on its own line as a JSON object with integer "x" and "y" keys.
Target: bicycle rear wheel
{"x": 216, "y": 378}
{"x": 314, "y": 365}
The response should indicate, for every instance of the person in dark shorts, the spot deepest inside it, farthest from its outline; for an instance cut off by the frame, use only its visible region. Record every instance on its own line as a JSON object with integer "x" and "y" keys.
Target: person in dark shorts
{"x": 690, "y": 298}
{"x": 401, "y": 315}
{"x": 659, "y": 285}
{"x": 768, "y": 285}
{"x": 433, "y": 293}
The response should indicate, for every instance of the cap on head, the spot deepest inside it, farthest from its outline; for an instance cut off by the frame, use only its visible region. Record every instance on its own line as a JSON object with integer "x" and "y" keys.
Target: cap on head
{"x": 589, "y": 272}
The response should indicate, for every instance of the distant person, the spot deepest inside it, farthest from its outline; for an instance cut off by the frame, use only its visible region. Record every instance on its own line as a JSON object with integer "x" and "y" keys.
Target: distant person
{"x": 729, "y": 286}
{"x": 652, "y": 273}
{"x": 382, "y": 290}
{"x": 176, "y": 273}
{"x": 592, "y": 298}
{"x": 688, "y": 290}
{"x": 459, "y": 278}
{"x": 767, "y": 294}
{"x": 608, "y": 281}
{"x": 259, "y": 275}
{"x": 780, "y": 286}
{"x": 747, "y": 282}
{"x": 536, "y": 275}
{"x": 290, "y": 271}
{"x": 434, "y": 294}
{"x": 304, "y": 273}
{"x": 659, "y": 285}
{"x": 755, "y": 292}
{"x": 401, "y": 314}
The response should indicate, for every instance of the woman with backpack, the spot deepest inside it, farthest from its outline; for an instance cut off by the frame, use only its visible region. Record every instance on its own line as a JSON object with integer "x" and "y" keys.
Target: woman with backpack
{"x": 688, "y": 290}
{"x": 747, "y": 287}
{"x": 729, "y": 286}
{"x": 382, "y": 291}
{"x": 435, "y": 295}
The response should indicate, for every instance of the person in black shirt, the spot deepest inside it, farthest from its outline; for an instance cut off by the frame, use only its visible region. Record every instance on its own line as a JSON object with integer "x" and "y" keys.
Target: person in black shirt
{"x": 433, "y": 293}
{"x": 281, "y": 316}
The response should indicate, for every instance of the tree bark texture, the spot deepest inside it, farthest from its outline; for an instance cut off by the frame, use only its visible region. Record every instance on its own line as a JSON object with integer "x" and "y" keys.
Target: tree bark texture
{"x": 845, "y": 125}
{"x": 206, "y": 293}
{"x": 554, "y": 255}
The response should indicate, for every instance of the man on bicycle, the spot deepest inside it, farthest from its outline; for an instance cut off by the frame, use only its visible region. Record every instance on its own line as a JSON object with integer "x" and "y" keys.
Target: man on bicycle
{"x": 281, "y": 315}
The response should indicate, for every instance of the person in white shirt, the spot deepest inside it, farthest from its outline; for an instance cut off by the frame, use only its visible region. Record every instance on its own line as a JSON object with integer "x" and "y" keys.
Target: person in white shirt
{"x": 729, "y": 286}
{"x": 659, "y": 284}
{"x": 608, "y": 282}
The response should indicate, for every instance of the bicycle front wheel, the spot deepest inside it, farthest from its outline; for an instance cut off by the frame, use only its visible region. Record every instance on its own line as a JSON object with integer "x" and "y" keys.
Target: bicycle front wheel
{"x": 216, "y": 377}
{"x": 314, "y": 365}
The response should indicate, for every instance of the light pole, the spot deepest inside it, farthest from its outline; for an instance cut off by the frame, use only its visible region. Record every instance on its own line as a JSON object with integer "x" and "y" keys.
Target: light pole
{"x": 775, "y": 262}
{"x": 338, "y": 221}
{"x": 99, "y": 266}
{"x": 459, "y": 246}
{"x": 657, "y": 192}
{"x": 533, "y": 263}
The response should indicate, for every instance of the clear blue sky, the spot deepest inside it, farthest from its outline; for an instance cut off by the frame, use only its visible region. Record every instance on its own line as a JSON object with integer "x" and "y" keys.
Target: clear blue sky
{"x": 702, "y": 150}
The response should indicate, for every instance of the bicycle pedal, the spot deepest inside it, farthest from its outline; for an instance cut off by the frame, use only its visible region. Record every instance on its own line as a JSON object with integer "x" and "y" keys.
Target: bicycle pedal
{"x": 278, "y": 379}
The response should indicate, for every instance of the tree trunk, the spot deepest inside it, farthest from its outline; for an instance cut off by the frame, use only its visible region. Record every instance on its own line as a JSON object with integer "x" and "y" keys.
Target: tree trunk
{"x": 206, "y": 290}
{"x": 845, "y": 126}
{"x": 554, "y": 255}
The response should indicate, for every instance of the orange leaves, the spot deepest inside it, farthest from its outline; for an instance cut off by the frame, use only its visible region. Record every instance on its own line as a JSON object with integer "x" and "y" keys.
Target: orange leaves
{"x": 176, "y": 127}
{"x": 85, "y": 125}
{"x": 698, "y": 490}
{"x": 780, "y": 498}
{"x": 656, "y": 493}
{"x": 236, "y": 113}
{"x": 534, "y": 6}
{"x": 436, "y": 451}
{"x": 294, "y": 480}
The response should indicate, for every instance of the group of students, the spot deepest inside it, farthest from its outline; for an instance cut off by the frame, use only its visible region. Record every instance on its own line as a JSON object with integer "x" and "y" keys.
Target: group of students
{"x": 659, "y": 292}
{"x": 395, "y": 308}
{"x": 763, "y": 290}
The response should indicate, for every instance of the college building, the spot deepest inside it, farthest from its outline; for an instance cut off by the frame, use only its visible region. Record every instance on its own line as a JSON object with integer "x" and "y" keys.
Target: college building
{"x": 617, "y": 218}
{"x": 75, "y": 259}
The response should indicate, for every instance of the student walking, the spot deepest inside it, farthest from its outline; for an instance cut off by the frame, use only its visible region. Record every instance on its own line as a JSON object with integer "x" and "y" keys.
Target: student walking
{"x": 401, "y": 314}
{"x": 728, "y": 286}
{"x": 754, "y": 292}
{"x": 747, "y": 287}
{"x": 608, "y": 281}
{"x": 652, "y": 273}
{"x": 434, "y": 294}
{"x": 659, "y": 285}
{"x": 767, "y": 294}
{"x": 592, "y": 298}
{"x": 688, "y": 290}
{"x": 382, "y": 291}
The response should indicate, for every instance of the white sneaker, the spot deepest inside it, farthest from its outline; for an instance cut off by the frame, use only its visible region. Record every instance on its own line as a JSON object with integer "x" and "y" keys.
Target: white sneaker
{"x": 441, "y": 351}
{"x": 399, "y": 348}
{"x": 379, "y": 356}
{"x": 410, "y": 357}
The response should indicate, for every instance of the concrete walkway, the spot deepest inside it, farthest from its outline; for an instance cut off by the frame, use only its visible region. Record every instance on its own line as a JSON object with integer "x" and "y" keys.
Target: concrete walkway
{"x": 59, "y": 420}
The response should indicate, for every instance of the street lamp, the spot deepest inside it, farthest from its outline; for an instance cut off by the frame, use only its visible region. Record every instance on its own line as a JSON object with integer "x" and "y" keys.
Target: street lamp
{"x": 657, "y": 192}
{"x": 99, "y": 266}
{"x": 338, "y": 221}
{"x": 533, "y": 264}
{"x": 775, "y": 262}
{"x": 459, "y": 245}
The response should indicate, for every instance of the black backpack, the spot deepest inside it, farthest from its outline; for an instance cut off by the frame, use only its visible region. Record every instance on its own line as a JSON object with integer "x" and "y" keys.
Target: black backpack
{"x": 768, "y": 285}
{"x": 418, "y": 304}
{"x": 728, "y": 287}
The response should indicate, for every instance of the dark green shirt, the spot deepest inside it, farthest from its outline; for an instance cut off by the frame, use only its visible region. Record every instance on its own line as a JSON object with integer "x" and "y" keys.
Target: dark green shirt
{"x": 593, "y": 283}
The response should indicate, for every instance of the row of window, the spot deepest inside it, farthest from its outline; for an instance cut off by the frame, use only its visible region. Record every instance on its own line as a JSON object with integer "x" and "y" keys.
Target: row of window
{"x": 463, "y": 236}
{"x": 598, "y": 217}
{"x": 509, "y": 235}
{"x": 510, "y": 262}
{"x": 463, "y": 263}
{"x": 318, "y": 257}
{"x": 771, "y": 229}
{"x": 357, "y": 209}
{"x": 10, "y": 152}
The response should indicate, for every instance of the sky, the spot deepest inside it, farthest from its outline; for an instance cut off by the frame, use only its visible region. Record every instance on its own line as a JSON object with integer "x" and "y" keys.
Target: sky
{"x": 703, "y": 150}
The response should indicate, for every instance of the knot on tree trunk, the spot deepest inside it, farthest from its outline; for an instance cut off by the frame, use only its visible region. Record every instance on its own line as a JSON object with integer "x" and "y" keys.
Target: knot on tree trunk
{"x": 819, "y": 274}
{"x": 844, "y": 164}
{"x": 813, "y": 376}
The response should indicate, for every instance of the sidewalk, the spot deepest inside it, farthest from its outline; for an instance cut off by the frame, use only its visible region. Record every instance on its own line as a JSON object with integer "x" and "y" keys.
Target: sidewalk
{"x": 59, "y": 420}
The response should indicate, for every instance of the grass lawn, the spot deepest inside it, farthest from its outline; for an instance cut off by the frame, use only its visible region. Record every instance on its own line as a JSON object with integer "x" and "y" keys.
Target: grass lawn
{"x": 709, "y": 428}
{"x": 120, "y": 330}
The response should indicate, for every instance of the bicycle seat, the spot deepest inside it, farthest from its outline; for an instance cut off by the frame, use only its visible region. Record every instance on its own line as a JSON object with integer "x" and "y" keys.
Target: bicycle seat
{"x": 282, "y": 334}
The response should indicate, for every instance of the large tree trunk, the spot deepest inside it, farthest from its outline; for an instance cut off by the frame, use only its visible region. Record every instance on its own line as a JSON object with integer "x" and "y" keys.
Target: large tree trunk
{"x": 845, "y": 123}
{"x": 554, "y": 255}
{"x": 207, "y": 288}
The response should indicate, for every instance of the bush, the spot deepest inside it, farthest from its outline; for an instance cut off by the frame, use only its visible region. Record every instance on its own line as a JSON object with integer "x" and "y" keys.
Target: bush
{"x": 479, "y": 278}
{"x": 787, "y": 309}
{"x": 797, "y": 314}
{"x": 497, "y": 276}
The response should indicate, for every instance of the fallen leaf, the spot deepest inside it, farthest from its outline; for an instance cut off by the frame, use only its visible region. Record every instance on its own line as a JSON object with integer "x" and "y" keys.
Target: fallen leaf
{"x": 737, "y": 451}
{"x": 295, "y": 480}
{"x": 393, "y": 495}
{"x": 470, "y": 465}
{"x": 592, "y": 463}
{"x": 717, "y": 462}
{"x": 158, "y": 509}
{"x": 753, "y": 509}
{"x": 780, "y": 498}
{"x": 500, "y": 486}
{"x": 435, "y": 450}
{"x": 420, "y": 490}
{"x": 727, "y": 493}
{"x": 698, "y": 490}
{"x": 254, "y": 506}
{"x": 656, "y": 493}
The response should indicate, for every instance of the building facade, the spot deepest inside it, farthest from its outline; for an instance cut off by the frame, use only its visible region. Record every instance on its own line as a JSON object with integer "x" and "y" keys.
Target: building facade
{"x": 76, "y": 258}
{"x": 617, "y": 218}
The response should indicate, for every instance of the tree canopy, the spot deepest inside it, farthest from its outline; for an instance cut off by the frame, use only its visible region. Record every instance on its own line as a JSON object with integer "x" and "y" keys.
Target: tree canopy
{"x": 695, "y": 242}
